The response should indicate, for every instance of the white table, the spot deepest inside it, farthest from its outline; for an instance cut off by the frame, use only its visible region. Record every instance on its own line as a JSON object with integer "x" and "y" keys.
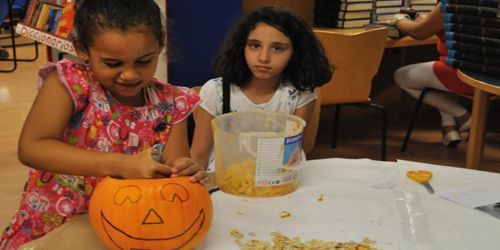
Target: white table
{"x": 362, "y": 198}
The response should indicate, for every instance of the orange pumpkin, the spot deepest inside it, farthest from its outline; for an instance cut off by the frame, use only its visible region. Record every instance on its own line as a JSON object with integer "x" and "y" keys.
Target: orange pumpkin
{"x": 167, "y": 213}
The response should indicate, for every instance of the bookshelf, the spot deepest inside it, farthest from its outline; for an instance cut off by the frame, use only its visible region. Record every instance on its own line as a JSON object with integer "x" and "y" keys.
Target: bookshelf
{"x": 49, "y": 22}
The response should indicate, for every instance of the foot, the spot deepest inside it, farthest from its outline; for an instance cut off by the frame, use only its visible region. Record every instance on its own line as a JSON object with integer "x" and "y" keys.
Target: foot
{"x": 463, "y": 122}
{"x": 4, "y": 54}
{"x": 451, "y": 137}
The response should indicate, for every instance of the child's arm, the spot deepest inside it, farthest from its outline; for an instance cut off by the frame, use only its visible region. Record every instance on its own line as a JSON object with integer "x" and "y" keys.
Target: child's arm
{"x": 176, "y": 154}
{"x": 305, "y": 112}
{"x": 203, "y": 138}
{"x": 40, "y": 144}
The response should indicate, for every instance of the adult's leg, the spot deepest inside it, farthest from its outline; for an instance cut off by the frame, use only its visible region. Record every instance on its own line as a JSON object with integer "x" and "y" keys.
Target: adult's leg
{"x": 415, "y": 77}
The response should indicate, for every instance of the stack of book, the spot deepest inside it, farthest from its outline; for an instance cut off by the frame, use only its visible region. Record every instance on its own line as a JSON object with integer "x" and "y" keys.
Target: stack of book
{"x": 423, "y": 6}
{"x": 385, "y": 9}
{"x": 342, "y": 13}
{"x": 472, "y": 31}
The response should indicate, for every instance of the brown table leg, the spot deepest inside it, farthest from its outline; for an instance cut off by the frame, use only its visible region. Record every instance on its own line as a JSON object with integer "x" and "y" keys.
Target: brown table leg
{"x": 475, "y": 147}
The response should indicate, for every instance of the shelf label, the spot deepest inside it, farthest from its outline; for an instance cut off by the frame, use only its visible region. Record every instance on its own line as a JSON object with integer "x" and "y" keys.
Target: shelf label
{"x": 46, "y": 38}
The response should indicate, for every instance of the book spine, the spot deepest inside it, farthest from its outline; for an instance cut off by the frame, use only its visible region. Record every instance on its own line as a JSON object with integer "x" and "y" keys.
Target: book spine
{"x": 485, "y": 3}
{"x": 469, "y": 10}
{"x": 30, "y": 11}
{"x": 45, "y": 38}
{"x": 472, "y": 30}
{"x": 66, "y": 21}
{"x": 472, "y": 48}
{"x": 474, "y": 58}
{"x": 476, "y": 67}
{"x": 50, "y": 19}
{"x": 472, "y": 20}
{"x": 36, "y": 13}
{"x": 479, "y": 40}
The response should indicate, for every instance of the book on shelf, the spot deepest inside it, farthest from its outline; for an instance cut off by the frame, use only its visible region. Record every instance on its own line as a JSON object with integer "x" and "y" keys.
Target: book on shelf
{"x": 387, "y": 10}
{"x": 45, "y": 38}
{"x": 32, "y": 7}
{"x": 334, "y": 3}
{"x": 479, "y": 40}
{"x": 472, "y": 20}
{"x": 393, "y": 31}
{"x": 485, "y": 3}
{"x": 473, "y": 48}
{"x": 470, "y": 10}
{"x": 42, "y": 15}
{"x": 423, "y": 7}
{"x": 384, "y": 17}
{"x": 47, "y": 11}
{"x": 388, "y": 3}
{"x": 430, "y": 2}
{"x": 52, "y": 20}
{"x": 345, "y": 15}
{"x": 459, "y": 55}
{"x": 357, "y": 23}
{"x": 476, "y": 67}
{"x": 342, "y": 14}
{"x": 65, "y": 23}
{"x": 354, "y": 6}
{"x": 472, "y": 30}
{"x": 344, "y": 24}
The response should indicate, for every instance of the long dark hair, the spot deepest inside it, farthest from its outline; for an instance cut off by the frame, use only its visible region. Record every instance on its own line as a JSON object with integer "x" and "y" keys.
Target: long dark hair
{"x": 94, "y": 16}
{"x": 308, "y": 67}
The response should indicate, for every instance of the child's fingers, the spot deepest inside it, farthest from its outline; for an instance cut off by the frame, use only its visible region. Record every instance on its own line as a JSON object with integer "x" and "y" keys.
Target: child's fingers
{"x": 180, "y": 164}
{"x": 163, "y": 170}
{"x": 182, "y": 172}
{"x": 200, "y": 176}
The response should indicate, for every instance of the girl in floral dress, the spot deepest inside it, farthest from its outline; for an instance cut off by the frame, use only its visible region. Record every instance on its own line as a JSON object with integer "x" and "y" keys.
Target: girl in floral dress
{"x": 101, "y": 117}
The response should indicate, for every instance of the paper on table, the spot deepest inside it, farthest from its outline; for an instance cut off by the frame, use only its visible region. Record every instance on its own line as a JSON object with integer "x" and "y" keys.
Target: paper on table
{"x": 484, "y": 197}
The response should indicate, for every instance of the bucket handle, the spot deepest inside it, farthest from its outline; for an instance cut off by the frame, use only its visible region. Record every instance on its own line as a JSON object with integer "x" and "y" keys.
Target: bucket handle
{"x": 245, "y": 142}
{"x": 245, "y": 139}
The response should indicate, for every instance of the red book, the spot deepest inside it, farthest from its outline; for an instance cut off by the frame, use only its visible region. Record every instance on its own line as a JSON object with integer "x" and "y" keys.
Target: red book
{"x": 66, "y": 22}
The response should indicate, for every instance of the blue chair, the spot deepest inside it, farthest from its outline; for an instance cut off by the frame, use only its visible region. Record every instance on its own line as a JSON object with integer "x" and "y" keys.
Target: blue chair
{"x": 11, "y": 12}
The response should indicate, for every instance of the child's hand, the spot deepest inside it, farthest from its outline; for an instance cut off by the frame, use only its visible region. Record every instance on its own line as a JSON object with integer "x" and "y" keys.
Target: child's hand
{"x": 188, "y": 166}
{"x": 142, "y": 166}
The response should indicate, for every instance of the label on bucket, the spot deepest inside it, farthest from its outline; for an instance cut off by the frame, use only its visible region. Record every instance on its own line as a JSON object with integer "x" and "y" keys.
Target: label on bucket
{"x": 275, "y": 154}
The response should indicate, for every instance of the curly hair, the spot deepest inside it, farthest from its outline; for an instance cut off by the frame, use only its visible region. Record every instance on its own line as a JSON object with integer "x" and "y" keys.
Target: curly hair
{"x": 308, "y": 68}
{"x": 94, "y": 16}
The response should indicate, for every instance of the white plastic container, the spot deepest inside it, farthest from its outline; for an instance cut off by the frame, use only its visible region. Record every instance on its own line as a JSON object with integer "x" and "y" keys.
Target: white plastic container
{"x": 258, "y": 153}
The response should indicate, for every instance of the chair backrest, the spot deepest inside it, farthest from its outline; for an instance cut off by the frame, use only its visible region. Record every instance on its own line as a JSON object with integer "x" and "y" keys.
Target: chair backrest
{"x": 356, "y": 59}
{"x": 311, "y": 127}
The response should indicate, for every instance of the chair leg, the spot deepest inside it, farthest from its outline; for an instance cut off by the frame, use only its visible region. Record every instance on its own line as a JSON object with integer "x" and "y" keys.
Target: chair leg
{"x": 14, "y": 46}
{"x": 336, "y": 125}
{"x": 383, "y": 134}
{"x": 383, "y": 116}
{"x": 13, "y": 42}
{"x": 413, "y": 118}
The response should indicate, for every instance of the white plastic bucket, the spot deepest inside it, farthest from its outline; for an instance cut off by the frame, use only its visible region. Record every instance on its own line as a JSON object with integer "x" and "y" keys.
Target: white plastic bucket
{"x": 258, "y": 153}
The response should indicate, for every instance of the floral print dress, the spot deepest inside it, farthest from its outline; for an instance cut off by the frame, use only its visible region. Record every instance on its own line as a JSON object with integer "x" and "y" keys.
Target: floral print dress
{"x": 98, "y": 123}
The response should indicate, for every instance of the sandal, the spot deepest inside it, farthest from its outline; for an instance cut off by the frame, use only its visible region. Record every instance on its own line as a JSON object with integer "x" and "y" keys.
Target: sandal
{"x": 451, "y": 137}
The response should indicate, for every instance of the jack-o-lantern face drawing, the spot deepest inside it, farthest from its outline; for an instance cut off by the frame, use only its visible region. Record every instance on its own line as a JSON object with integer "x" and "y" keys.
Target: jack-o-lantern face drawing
{"x": 168, "y": 213}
